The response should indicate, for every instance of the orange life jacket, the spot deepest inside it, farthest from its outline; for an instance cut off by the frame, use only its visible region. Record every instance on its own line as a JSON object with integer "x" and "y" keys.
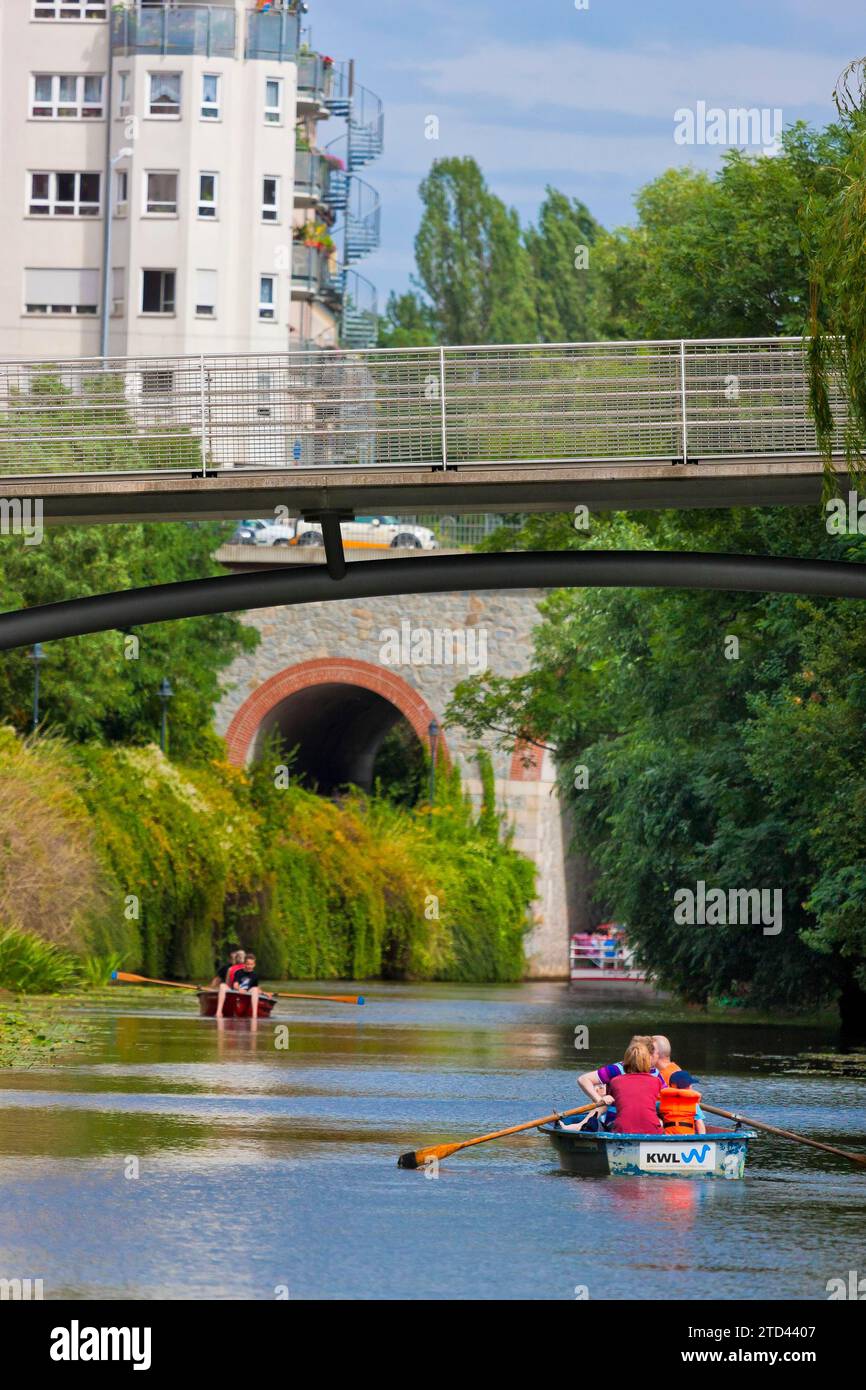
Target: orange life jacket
{"x": 667, "y": 1070}
{"x": 677, "y": 1109}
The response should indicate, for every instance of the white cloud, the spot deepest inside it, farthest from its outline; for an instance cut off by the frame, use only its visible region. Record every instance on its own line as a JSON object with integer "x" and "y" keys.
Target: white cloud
{"x": 516, "y": 150}
{"x": 649, "y": 82}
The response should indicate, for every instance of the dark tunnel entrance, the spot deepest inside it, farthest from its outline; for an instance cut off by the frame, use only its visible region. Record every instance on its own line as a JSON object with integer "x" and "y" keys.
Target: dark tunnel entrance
{"x": 340, "y": 731}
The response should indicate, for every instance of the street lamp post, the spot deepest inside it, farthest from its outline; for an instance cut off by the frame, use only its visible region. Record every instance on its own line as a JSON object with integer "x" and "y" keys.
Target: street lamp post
{"x": 37, "y": 656}
{"x": 165, "y": 694}
{"x": 433, "y": 732}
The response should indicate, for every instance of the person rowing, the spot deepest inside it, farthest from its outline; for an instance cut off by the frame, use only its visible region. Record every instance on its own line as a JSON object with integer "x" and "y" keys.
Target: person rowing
{"x": 222, "y": 980}
{"x": 636, "y": 1090}
{"x": 596, "y": 1084}
{"x": 246, "y": 981}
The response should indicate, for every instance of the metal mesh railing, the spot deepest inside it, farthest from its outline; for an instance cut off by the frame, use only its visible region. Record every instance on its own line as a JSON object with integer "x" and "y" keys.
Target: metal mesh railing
{"x": 408, "y": 408}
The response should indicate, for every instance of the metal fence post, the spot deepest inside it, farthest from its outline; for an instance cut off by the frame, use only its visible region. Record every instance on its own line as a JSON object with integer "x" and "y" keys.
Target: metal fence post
{"x": 203, "y": 411}
{"x": 442, "y": 414}
{"x": 684, "y": 419}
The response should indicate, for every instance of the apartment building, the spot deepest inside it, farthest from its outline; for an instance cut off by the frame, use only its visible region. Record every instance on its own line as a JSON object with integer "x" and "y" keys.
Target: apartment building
{"x": 164, "y": 191}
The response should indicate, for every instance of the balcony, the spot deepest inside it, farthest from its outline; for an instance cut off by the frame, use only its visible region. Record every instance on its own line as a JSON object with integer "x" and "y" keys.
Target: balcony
{"x": 208, "y": 31}
{"x": 312, "y": 275}
{"x": 274, "y": 35}
{"x": 315, "y": 80}
{"x": 312, "y": 178}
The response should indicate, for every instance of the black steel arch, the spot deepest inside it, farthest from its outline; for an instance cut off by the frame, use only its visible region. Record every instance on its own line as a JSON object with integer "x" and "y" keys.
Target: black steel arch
{"x": 559, "y": 569}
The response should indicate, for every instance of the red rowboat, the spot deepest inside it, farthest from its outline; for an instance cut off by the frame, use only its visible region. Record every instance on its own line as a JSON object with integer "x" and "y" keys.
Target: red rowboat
{"x": 237, "y": 1004}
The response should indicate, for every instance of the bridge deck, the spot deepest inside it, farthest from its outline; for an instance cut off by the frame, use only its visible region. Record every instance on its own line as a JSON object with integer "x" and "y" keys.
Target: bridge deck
{"x": 715, "y": 423}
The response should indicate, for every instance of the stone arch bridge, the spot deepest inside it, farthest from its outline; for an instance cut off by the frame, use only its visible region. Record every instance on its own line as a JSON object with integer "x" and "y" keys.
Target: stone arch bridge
{"x": 335, "y": 678}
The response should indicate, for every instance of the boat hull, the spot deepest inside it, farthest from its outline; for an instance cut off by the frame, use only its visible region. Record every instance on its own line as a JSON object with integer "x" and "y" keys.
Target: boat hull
{"x": 236, "y": 1005}
{"x": 717, "y": 1154}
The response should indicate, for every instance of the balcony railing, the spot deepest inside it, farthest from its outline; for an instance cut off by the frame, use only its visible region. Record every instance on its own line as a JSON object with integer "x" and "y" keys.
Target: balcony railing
{"x": 209, "y": 31}
{"x": 312, "y": 175}
{"x": 315, "y": 78}
{"x": 274, "y": 35}
{"x": 311, "y": 272}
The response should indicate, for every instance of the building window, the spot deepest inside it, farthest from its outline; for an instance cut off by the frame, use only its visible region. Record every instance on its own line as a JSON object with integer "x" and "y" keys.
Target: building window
{"x": 64, "y": 195}
{"x": 274, "y": 101}
{"x": 205, "y": 293}
{"x": 124, "y": 103}
{"x": 207, "y": 195}
{"x": 158, "y": 381}
{"x": 66, "y": 97}
{"x": 70, "y": 9}
{"x": 157, "y": 291}
{"x": 270, "y": 198}
{"x": 164, "y": 94}
{"x": 267, "y": 297}
{"x": 121, "y": 191}
{"x": 161, "y": 194}
{"x": 61, "y": 291}
{"x": 210, "y": 97}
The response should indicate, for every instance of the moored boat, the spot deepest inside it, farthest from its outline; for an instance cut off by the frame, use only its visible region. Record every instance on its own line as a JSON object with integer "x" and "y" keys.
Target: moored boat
{"x": 604, "y": 956}
{"x": 720, "y": 1153}
{"x": 237, "y": 1004}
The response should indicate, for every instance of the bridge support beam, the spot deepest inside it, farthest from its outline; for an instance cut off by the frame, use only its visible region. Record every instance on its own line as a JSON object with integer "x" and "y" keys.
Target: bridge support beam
{"x": 559, "y": 569}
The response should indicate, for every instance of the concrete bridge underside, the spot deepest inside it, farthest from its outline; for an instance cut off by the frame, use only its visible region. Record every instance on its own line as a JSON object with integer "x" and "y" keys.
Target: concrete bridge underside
{"x": 533, "y": 487}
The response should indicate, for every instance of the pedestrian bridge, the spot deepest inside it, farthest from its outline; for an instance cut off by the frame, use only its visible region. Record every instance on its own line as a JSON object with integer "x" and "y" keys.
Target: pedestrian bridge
{"x": 511, "y": 428}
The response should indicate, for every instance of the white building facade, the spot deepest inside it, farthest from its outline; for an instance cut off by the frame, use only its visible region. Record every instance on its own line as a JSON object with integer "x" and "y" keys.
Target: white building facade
{"x": 163, "y": 188}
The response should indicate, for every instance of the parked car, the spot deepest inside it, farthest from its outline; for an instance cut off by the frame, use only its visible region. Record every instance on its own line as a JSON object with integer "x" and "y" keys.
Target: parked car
{"x": 371, "y": 533}
{"x": 260, "y": 532}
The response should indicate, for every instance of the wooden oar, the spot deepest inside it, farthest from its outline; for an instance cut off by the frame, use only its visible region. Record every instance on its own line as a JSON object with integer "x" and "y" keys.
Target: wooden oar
{"x": 420, "y": 1156}
{"x": 173, "y": 984}
{"x": 785, "y": 1134}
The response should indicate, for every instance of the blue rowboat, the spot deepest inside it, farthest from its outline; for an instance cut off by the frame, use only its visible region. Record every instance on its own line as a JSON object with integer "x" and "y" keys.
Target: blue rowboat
{"x": 720, "y": 1153}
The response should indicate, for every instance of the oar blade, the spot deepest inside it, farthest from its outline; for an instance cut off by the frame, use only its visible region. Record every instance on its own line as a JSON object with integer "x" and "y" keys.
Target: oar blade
{"x": 419, "y": 1157}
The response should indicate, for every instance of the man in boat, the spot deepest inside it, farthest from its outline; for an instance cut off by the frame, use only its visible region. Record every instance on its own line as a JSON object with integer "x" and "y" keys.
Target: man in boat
{"x": 663, "y": 1063}
{"x": 246, "y": 979}
{"x": 223, "y": 979}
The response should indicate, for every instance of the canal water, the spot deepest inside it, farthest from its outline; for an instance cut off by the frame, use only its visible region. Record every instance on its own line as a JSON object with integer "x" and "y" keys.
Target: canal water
{"x": 178, "y": 1158}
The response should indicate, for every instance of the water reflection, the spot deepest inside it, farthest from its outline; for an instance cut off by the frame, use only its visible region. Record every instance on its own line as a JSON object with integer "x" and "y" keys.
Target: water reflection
{"x": 307, "y": 1136}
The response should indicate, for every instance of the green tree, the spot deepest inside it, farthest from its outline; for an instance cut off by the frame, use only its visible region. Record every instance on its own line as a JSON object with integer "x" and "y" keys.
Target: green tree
{"x": 472, "y": 264}
{"x": 407, "y": 322}
{"x": 103, "y": 686}
{"x": 741, "y": 772}
{"x": 724, "y": 255}
{"x": 837, "y": 221}
{"x": 566, "y": 277}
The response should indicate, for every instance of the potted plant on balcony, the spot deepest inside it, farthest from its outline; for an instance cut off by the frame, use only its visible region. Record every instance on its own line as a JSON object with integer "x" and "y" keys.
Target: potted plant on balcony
{"x": 315, "y": 235}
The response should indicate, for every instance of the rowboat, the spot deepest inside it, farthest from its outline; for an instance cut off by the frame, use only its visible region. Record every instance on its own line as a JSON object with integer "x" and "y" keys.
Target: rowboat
{"x": 720, "y": 1153}
{"x": 237, "y": 1004}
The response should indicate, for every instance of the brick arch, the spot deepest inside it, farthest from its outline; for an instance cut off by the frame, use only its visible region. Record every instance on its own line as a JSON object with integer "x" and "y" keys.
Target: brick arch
{"x": 241, "y": 734}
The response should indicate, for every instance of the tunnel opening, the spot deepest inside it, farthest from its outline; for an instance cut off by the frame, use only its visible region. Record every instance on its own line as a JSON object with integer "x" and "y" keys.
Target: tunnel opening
{"x": 345, "y": 735}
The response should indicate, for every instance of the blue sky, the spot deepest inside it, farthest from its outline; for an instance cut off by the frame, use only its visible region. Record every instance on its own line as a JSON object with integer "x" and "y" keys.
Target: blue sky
{"x": 542, "y": 92}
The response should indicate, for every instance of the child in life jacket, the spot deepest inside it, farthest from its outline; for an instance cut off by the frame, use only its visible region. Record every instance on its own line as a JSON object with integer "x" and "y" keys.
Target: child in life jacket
{"x": 679, "y": 1105}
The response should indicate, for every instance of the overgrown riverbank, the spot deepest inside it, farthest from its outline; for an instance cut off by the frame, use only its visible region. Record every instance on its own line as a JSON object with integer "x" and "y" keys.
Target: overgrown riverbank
{"x": 120, "y": 853}
{"x": 34, "y": 1032}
